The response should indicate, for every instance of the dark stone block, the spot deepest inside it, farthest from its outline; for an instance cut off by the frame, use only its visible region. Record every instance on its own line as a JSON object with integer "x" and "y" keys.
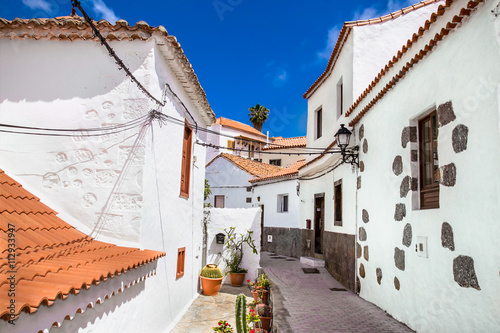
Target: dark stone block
{"x": 340, "y": 257}
{"x": 399, "y": 258}
{"x": 362, "y": 270}
{"x": 362, "y": 234}
{"x": 409, "y": 134}
{"x": 407, "y": 235}
{"x": 445, "y": 114}
{"x": 447, "y": 236}
{"x": 396, "y": 283}
{"x": 459, "y": 138}
{"x": 379, "y": 275}
{"x": 405, "y": 187}
{"x": 361, "y": 131}
{"x": 464, "y": 273}
{"x": 359, "y": 182}
{"x": 365, "y": 146}
{"x": 366, "y": 255}
{"x": 414, "y": 184}
{"x": 400, "y": 212}
{"x": 361, "y": 166}
{"x": 365, "y": 216}
{"x": 286, "y": 241}
{"x": 414, "y": 155}
{"x": 397, "y": 165}
{"x": 359, "y": 250}
{"x": 448, "y": 175}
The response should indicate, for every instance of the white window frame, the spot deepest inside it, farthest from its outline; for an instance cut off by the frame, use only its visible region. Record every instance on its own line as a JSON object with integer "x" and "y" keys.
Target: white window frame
{"x": 282, "y": 206}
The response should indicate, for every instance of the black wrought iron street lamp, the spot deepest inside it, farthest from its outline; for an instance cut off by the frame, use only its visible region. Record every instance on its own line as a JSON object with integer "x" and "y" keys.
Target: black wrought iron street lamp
{"x": 349, "y": 154}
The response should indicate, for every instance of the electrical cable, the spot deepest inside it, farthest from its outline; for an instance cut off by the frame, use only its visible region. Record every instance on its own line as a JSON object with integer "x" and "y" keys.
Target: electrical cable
{"x": 112, "y": 53}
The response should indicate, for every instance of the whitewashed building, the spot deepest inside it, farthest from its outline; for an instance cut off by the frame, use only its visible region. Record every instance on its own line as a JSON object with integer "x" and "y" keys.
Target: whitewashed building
{"x": 415, "y": 223}
{"x": 229, "y": 178}
{"x": 233, "y": 137}
{"x": 284, "y": 151}
{"x": 127, "y": 177}
{"x": 278, "y": 196}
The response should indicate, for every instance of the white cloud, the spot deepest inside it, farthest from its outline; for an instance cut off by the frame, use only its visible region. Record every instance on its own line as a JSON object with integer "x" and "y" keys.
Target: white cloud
{"x": 280, "y": 78}
{"x": 38, "y": 4}
{"x": 106, "y": 13}
{"x": 333, "y": 35}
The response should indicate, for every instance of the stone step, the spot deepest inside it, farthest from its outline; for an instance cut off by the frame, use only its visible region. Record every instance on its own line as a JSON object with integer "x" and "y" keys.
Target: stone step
{"x": 314, "y": 262}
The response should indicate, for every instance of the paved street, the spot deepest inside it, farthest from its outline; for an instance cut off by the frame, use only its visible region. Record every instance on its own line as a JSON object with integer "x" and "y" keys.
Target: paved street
{"x": 304, "y": 303}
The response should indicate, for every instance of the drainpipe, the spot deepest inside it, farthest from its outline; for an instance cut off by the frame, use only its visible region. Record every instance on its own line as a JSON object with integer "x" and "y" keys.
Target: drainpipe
{"x": 206, "y": 218}
{"x": 356, "y": 223}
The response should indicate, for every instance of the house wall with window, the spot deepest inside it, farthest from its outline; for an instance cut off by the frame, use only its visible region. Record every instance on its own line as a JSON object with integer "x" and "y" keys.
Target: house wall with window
{"x": 229, "y": 181}
{"x": 123, "y": 188}
{"x": 435, "y": 268}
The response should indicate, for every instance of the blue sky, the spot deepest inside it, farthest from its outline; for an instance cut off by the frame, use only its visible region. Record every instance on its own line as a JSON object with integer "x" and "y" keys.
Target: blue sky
{"x": 244, "y": 51}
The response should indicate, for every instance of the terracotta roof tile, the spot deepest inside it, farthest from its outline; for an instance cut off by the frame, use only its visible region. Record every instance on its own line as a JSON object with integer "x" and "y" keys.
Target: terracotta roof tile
{"x": 281, "y": 143}
{"x": 345, "y": 31}
{"x": 52, "y": 258}
{"x": 239, "y": 126}
{"x": 288, "y": 172}
{"x": 254, "y": 168}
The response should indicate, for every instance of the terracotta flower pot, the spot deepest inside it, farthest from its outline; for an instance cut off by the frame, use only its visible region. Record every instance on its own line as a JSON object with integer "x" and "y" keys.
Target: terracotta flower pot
{"x": 255, "y": 295}
{"x": 237, "y": 279}
{"x": 210, "y": 286}
{"x": 266, "y": 322}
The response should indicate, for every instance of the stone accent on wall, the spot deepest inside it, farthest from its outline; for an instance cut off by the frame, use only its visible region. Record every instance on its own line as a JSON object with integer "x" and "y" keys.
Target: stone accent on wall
{"x": 396, "y": 283}
{"x": 447, "y": 236}
{"x": 361, "y": 131}
{"x": 414, "y": 184}
{"x": 407, "y": 235}
{"x": 464, "y": 273}
{"x": 459, "y": 138}
{"x": 286, "y": 241}
{"x": 397, "y": 165}
{"x": 414, "y": 155}
{"x": 445, "y": 114}
{"x": 365, "y": 216}
{"x": 359, "y": 182}
{"x": 409, "y": 134}
{"x": 361, "y": 166}
{"x": 365, "y": 146}
{"x": 400, "y": 212}
{"x": 399, "y": 258}
{"x": 448, "y": 175}
{"x": 362, "y": 270}
{"x": 340, "y": 258}
{"x": 359, "y": 250}
{"x": 362, "y": 234}
{"x": 366, "y": 255}
{"x": 379, "y": 275}
{"x": 404, "y": 188}
{"x": 307, "y": 234}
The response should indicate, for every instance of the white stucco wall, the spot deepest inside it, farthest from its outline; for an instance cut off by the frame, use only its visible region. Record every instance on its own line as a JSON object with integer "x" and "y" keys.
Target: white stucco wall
{"x": 429, "y": 299}
{"x": 227, "y": 179}
{"x": 77, "y": 176}
{"x": 286, "y": 160}
{"x": 376, "y": 44}
{"x": 244, "y": 219}
{"x": 268, "y": 194}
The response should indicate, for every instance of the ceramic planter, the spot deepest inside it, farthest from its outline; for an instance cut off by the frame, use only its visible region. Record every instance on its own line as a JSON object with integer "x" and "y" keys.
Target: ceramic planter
{"x": 237, "y": 279}
{"x": 210, "y": 286}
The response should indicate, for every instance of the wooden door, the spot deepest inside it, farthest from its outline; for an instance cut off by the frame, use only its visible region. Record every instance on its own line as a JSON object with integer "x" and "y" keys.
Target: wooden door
{"x": 319, "y": 225}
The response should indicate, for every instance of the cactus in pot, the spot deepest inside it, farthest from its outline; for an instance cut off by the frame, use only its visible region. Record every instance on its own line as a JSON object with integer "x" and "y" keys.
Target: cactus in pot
{"x": 211, "y": 271}
{"x": 241, "y": 314}
{"x": 211, "y": 278}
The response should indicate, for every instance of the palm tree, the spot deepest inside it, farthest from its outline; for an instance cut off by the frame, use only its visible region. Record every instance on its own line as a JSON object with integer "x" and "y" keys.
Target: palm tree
{"x": 258, "y": 116}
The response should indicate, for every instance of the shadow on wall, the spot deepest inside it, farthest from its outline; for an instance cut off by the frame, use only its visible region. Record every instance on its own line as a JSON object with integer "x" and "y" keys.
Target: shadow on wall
{"x": 64, "y": 70}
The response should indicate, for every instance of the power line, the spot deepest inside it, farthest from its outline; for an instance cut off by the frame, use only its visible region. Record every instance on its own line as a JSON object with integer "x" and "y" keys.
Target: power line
{"x": 331, "y": 151}
{"x": 112, "y": 54}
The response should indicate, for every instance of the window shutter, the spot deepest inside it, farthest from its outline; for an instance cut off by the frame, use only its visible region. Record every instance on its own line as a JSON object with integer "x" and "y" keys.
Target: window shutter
{"x": 186, "y": 160}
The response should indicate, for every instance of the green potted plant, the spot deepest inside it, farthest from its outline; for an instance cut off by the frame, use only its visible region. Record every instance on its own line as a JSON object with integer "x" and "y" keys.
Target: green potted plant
{"x": 223, "y": 326}
{"x": 234, "y": 247}
{"x": 211, "y": 278}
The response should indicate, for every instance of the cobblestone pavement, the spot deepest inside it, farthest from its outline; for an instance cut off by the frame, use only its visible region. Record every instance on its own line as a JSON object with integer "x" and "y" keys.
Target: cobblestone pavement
{"x": 304, "y": 303}
{"x": 206, "y": 311}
